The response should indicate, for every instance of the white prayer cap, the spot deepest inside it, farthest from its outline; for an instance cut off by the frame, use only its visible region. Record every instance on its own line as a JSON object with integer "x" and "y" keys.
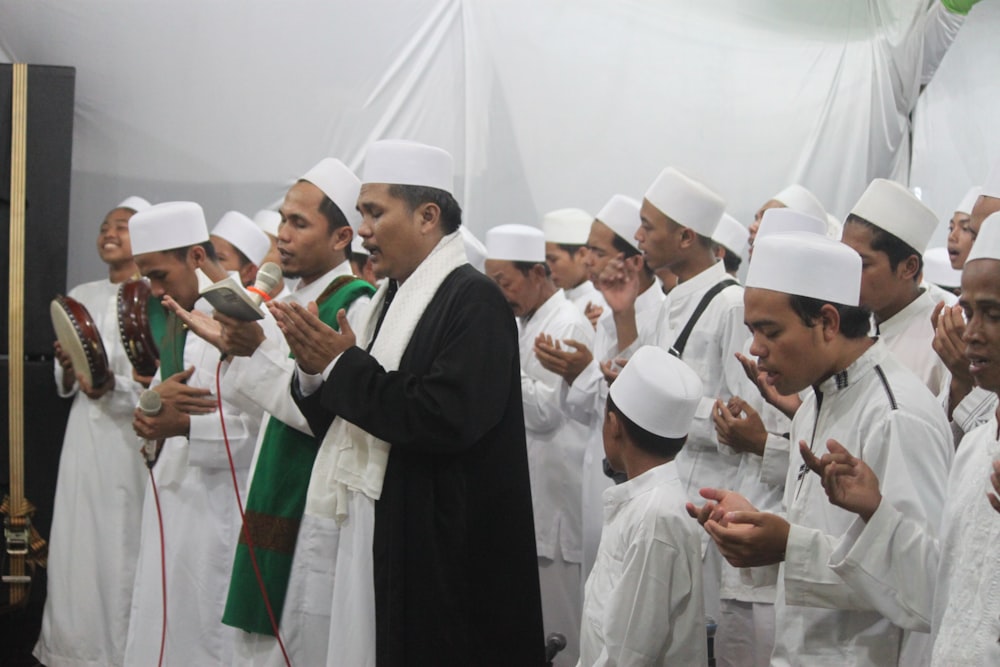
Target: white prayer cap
{"x": 686, "y": 201}
{"x": 357, "y": 245}
{"x": 732, "y": 235}
{"x": 621, "y": 214}
{"x": 268, "y": 221}
{"x": 658, "y": 391}
{"x": 802, "y": 200}
{"x": 339, "y": 184}
{"x": 175, "y": 224}
{"x": 834, "y": 227}
{"x": 475, "y": 251}
{"x": 806, "y": 264}
{"x": 569, "y": 226}
{"x": 244, "y": 235}
{"x": 400, "y": 162}
{"x": 987, "y": 243}
{"x": 135, "y": 203}
{"x": 891, "y": 207}
{"x": 517, "y": 243}
{"x": 782, "y": 220}
{"x": 937, "y": 268}
{"x": 969, "y": 200}
{"x": 991, "y": 187}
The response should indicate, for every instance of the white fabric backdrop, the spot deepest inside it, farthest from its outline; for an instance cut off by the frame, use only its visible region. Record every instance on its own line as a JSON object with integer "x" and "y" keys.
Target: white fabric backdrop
{"x": 544, "y": 103}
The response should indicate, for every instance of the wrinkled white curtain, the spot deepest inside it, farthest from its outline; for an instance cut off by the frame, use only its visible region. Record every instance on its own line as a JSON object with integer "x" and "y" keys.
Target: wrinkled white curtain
{"x": 543, "y": 103}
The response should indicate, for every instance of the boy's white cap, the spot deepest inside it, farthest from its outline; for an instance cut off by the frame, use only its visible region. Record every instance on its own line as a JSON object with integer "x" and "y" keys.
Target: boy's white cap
{"x": 268, "y": 221}
{"x": 937, "y": 268}
{"x": 732, "y": 235}
{"x": 621, "y": 214}
{"x": 798, "y": 198}
{"x": 891, "y": 207}
{"x": 969, "y": 200}
{"x": 659, "y": 392}
{"x": 987, "y": 243}
{"x": 135, "y": 203}
{"x": 516, "y": 243}
{"x": 245, "y": 236}
{"x": 807, "y": 264}
{"x": 338, "y": 183}
{"x": 401, "y": 162}
{"x": 175, "y": 224}
{"x": 781, "y": 220}
{"x": 568, "y": 226}
{"x": 475, "y": 251}
{"x": 686, "y": 201}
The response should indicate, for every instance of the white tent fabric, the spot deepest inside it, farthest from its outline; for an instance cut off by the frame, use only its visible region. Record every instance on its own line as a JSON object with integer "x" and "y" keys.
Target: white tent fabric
{"x": 545, "y": 104}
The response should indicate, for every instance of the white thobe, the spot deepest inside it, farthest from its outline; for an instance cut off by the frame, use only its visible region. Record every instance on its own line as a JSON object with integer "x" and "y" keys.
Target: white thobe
{"x": 948, "y": 585}
{"x": 584, "y": 401}
{"x": 556, "y": 447}
{"x": 201, "y": 524}
{"x": 94, "y": 541}
{"x": 910, "y": 336}
{"x": 880, "y": 412}
{"x": 585, "y": 293}
{"x": 264, "y": 379}
{"x": 644, "y": 600}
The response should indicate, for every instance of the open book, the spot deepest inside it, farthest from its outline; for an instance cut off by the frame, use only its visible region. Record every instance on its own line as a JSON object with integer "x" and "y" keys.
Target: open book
{"x": 230, "y": 298}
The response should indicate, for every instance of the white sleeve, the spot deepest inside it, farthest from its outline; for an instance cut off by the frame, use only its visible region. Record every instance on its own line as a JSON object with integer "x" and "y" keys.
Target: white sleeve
{"x": 207, "y": 443}
{"x": 265, "y": 379}
{"x": 892, "y": 563}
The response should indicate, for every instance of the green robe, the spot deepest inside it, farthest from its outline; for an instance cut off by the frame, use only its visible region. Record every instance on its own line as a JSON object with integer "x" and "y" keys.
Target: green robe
{"x": 277, "y": 499}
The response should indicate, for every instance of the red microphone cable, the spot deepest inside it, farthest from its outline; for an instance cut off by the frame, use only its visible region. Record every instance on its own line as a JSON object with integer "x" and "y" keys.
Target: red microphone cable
{"x": 163, "y": 564}
{"x": 243, "y": 523}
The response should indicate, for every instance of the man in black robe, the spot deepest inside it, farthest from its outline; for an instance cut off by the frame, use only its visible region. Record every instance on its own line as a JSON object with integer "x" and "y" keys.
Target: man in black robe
{"x": 455, "y": 574}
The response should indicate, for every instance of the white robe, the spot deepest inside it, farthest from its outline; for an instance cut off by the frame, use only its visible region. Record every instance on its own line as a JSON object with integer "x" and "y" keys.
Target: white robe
{"x": 584, "y": 401}
{"x": 556, "y": 447}
{"x": 880, "y": 412}
{"x": 644, "y": 600}
{"x": 944, "y": 581}
{"x": 201, "y": 524}
{"x": 94, "y": 542}
{"x": 264, "y": 379}
{"x": 910, "y": 336}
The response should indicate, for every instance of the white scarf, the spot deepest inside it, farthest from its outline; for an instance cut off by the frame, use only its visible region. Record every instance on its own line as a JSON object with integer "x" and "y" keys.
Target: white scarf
{"x": 350, "y": 458}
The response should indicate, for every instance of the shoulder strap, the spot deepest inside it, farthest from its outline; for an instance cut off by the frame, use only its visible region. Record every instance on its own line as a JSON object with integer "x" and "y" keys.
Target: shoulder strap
{"x": 677, "y": 349}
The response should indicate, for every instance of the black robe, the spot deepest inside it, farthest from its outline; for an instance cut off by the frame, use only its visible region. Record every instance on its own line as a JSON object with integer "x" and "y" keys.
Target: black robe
{"x": 456, "y": 575}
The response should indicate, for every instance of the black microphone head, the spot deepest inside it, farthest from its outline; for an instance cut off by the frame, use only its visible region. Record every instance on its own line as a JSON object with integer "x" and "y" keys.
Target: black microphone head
{"x": 150, "y": 403}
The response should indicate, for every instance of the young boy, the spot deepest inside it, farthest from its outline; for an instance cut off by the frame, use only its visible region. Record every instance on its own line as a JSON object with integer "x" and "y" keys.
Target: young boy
{"x": 643, "y": 603}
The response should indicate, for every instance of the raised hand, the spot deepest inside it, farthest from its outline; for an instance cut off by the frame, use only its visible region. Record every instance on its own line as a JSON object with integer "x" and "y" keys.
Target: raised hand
{"x": 788, "y": 405}
{"x": 848, "y": 481}
{"x": 738, "y": 425}
{"x": 593, "y": 313}
{"x": 238, "y": 338}
{"x": 566, "y": 363}
{"x": 201, "y": 324}
{"x": 174, "y": 392}
{"x": 313, "y": 343}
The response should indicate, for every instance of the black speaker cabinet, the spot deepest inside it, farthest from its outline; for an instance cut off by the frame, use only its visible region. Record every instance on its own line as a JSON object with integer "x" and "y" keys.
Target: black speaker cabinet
{"x": 45, "y": 416}
{"x": 49, "y": 162}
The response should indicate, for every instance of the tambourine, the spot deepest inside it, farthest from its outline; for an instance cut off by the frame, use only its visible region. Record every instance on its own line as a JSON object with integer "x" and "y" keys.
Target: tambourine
{"x": 79, "y": 338}
{"x": 140, "y": 314}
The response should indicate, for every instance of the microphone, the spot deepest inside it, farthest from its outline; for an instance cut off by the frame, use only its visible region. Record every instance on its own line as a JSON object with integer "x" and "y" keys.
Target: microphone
{"x": 268, "y": 276}
{"x": 150, "y": 404}
{"x": 554, "y": 643}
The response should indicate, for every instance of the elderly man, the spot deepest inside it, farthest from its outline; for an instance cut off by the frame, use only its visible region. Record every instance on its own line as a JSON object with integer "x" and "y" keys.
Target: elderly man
{"x": 424, "y": 463}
